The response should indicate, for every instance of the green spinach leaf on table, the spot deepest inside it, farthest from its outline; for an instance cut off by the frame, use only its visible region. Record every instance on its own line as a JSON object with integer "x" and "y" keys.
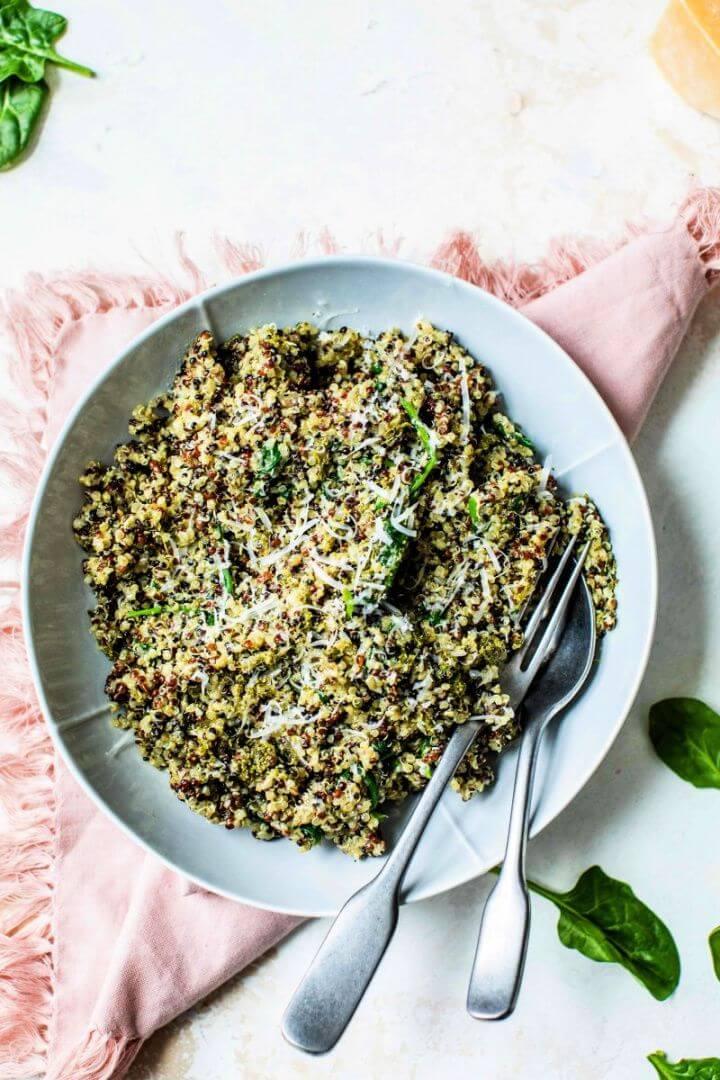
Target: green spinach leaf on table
{"x": 714, "y": 943}
{"x": 685, "y": 733}
{"x": 687, "y": 1069}
{"x": 27, "y": 41}
{"x": 20, "y": 108}
{"x": 604, "y": 920}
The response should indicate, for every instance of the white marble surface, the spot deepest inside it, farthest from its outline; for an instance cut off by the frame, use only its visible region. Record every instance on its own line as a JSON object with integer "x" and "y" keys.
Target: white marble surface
{"x": 520, "y": 119}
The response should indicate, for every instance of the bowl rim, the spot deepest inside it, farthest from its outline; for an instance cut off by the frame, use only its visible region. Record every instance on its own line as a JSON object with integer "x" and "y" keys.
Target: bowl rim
{"x": 540, "y": 821}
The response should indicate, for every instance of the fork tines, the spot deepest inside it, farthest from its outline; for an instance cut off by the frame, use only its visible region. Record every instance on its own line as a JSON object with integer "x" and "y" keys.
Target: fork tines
{"x": 544, "y": 627}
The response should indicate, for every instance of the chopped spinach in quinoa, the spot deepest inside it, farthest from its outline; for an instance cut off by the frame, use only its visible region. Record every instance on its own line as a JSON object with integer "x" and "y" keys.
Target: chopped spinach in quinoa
{"x": 310, "y": 563}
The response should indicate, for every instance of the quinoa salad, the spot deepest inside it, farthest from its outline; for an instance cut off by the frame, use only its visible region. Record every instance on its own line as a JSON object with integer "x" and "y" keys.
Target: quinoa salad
{"x": 310, "y": 562}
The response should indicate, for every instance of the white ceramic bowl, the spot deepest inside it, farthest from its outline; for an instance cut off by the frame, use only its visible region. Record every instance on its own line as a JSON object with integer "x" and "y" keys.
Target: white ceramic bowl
{"x": 543, "y": 390}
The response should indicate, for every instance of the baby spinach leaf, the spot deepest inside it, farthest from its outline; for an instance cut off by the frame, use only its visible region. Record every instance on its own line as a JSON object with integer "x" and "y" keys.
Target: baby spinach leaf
{"x": 313, "y": 833}
{"x": 20, "y": 108}
{"x": 157, "y": 609}
{"x": 714, "y": 943}
{"x": 228, "y": 584}
{"x": 372, "y": 789}
{"x": 427, "y": 438}
{"x": 392, "y": 552}
{"x": 139, "y": 613}
{"x": 686, "y": 736}
{"x": 383, "y": 749}
{"x": 603, "y": 919}
{"x": 349, "y": 602}
{"x": 27, "y": 37}
{"x": 270, "y": 458}
{"x": 509, "y": 432}
{"x": 687, "y": 1069}
{"x": 472, "y": 509}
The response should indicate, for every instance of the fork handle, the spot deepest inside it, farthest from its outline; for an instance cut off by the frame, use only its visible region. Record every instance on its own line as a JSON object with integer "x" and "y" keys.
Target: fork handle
{"x": 505, "y": 927}
{"x": 345, "y": 963}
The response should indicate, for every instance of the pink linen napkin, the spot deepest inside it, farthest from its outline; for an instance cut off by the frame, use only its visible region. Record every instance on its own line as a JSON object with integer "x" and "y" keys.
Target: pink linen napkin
{"x": 100, "y": 943}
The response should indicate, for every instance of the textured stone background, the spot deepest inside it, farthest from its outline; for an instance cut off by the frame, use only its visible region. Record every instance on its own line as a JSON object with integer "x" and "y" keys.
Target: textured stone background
{"x": 522, "y": 120}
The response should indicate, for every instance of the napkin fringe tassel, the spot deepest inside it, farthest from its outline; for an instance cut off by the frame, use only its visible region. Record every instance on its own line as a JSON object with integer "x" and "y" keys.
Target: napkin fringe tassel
{"x": 26, "y": 863}
{"x": 568, "y": 257}
{"x": 701, "y": 214}
{"x": 101, "y": 1056}
{"x": 35, "y": 321}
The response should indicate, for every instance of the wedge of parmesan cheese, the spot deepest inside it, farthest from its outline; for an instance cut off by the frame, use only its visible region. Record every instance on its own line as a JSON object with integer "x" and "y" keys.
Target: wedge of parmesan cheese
{"x": 686, "y": 48}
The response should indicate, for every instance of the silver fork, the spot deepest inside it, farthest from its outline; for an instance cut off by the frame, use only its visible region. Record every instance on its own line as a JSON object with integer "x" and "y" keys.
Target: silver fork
{"x": 345, "y": 963}
{"x": 504, "y": 930}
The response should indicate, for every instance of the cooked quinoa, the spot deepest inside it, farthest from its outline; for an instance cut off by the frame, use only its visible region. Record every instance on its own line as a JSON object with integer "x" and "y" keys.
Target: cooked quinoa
{"x": 310, "y": 562}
